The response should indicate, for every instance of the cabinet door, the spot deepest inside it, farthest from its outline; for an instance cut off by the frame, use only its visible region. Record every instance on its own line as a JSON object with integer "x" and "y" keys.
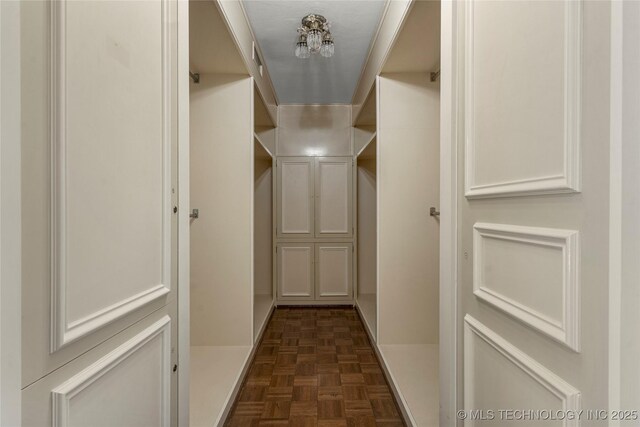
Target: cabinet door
{"x": 334, "y": 271}
{"x": 295, "y": 270}
{"x": 295, "y": 197}
{"x": 99, "y": 233}
{"x": 333, "y": 197}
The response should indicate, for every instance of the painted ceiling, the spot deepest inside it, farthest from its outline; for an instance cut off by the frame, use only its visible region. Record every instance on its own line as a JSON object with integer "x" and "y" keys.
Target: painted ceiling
{"x": 316, "y": 80}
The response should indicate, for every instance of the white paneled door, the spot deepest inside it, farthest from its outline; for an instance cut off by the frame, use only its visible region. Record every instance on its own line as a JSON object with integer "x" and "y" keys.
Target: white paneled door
{"x": 333, "y": 197}
{"x": 295, "y": 199}
{"x": 99, "y": 201}
{"x": 533, "y": 205}
{"x": 295, "y": 267}
{"x": 334, "y": 263}
{"x": 314, "y": 197}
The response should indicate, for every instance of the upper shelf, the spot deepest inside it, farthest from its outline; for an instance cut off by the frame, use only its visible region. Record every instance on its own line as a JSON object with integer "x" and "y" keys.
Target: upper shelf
{"x": 262, "y": 116}
{"x": 406, "y": 56}
{"x": 211, "y": 46}
{"x": 365, "y": 117}
{"x": 221, "y": 42}
{"x": 261, "y": 150}
{"x": 394, "y": 49}
{"x": 368, "y": 151}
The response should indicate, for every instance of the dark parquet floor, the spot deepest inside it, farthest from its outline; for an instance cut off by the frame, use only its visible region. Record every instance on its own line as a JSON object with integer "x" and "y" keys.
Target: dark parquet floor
{"x": 315, "y": 367}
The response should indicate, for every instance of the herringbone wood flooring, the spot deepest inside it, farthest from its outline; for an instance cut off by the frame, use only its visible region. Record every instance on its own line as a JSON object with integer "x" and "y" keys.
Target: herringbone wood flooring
{"x": 315, "y": 367}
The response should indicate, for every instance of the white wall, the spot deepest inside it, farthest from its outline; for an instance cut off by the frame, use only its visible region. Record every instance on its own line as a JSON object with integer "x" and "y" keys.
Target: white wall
{"x": 222, "y": 188}
{"x": 367, "y": 224}
{"x": 263, "y": 227}
{"x": 630, "y": 154}
{"x": 314, "y": 130}
{"x": 408, "y": 184}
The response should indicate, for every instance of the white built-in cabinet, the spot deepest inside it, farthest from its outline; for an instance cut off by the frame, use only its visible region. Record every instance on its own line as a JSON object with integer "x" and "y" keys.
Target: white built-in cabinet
{"x": 314, "y": 197}
{"x": 314, "y": 229}
{"x": 315, "y": 271}
{"x": 333, "y": 191}
{"x": 295, "y": 198}
{"x": 295, "y": 270}
{"x": 333, "y": 270}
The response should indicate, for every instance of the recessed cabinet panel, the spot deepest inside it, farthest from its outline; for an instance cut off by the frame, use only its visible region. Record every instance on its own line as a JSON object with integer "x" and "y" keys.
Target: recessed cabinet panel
{"x": 333, "y": 270}
{"x": 333, "y": 197}
{"x": 295, "y": 270}
{"x": 295, "y": 197}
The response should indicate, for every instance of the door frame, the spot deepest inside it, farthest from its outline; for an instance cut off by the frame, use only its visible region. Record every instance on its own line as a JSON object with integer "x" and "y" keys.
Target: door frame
{"x": 10, "y": 216}
{"x": 184, "y": 263}
{"x": 448, "y": 340}
{"x": 624, "y": 222}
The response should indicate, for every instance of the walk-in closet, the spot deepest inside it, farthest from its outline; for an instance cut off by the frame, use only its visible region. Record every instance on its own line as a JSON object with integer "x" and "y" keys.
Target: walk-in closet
{"x": 397, "y": 139}
{"x": 311, "y": 205}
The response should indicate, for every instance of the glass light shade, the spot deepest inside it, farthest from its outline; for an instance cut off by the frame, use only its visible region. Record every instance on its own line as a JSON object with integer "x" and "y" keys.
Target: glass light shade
{"x": 314, "y": 40}
{"x": 304, "y": 51}
{"x": 327, "y": 49}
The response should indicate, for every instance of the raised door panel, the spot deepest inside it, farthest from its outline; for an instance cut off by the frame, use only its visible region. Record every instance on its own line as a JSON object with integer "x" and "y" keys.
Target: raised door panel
{"x": 111, "y": 184}
{"x": 133, "y": 381}
{"x": 531, "y": 274}
{"x": 334, "y": 271}
{"x": 522, "y": 130}
{"x": 295, "y": 197}
{"x": 333, "y": 194}
{"x": 125, "y": 381}
{"x": 497, "y": 375}
{"x": 295, "y": 270}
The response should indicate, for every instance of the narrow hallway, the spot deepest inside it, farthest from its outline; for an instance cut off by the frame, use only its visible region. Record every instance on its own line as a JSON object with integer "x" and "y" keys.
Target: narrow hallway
{"x": 315, "y": 366}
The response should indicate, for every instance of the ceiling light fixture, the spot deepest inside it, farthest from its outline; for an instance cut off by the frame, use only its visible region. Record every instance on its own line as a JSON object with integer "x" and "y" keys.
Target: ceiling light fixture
{"x": 314, "y": 37}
